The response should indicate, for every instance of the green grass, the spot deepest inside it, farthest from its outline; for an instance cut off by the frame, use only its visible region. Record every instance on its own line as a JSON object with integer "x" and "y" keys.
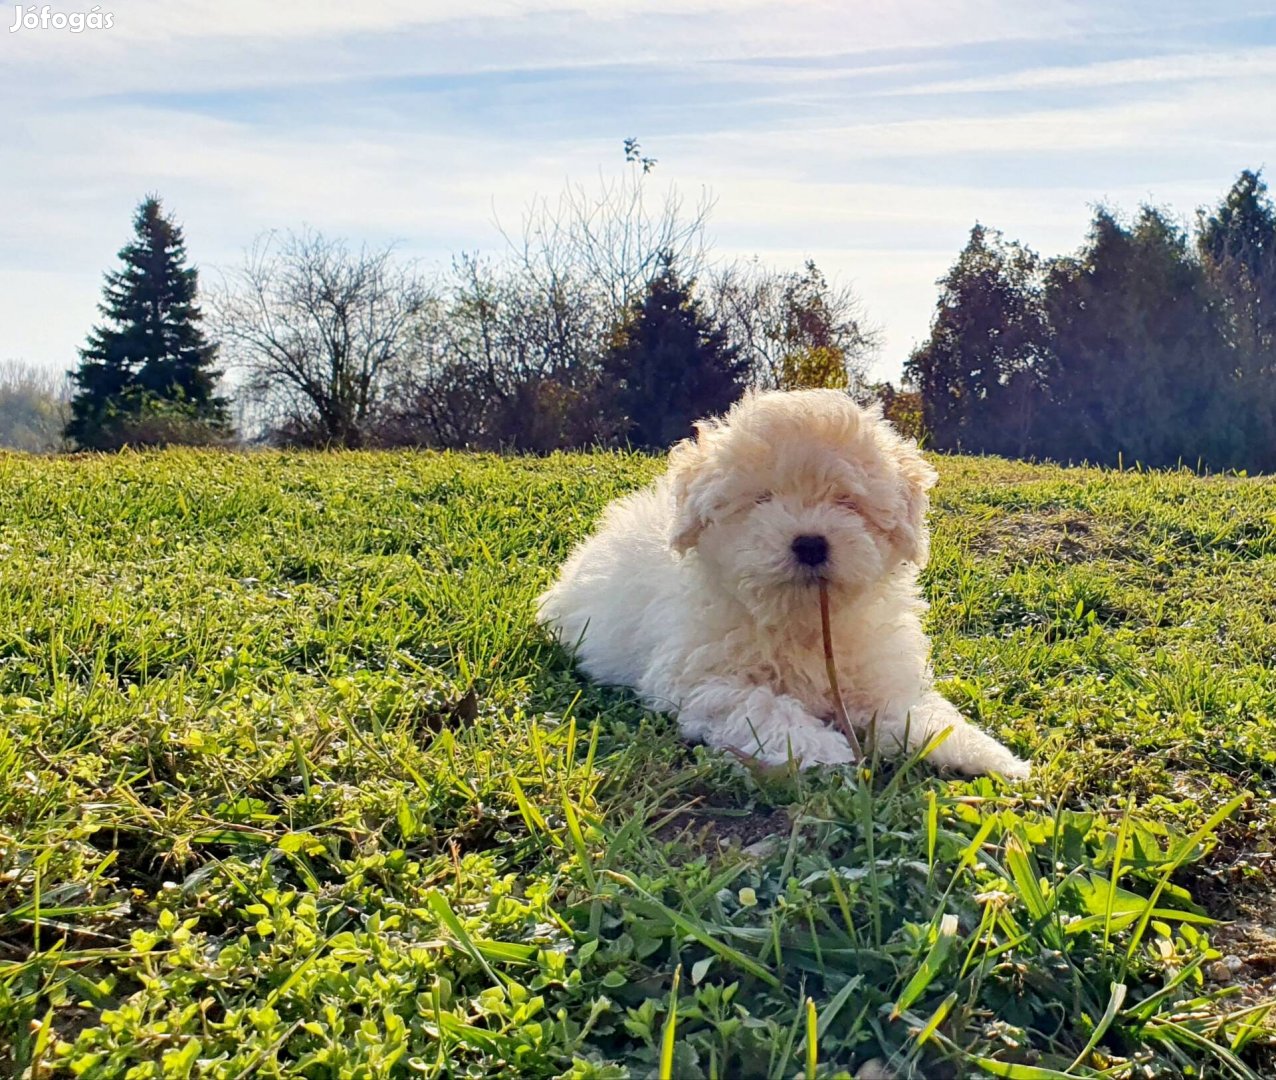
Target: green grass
{"x": 291, "y": 784}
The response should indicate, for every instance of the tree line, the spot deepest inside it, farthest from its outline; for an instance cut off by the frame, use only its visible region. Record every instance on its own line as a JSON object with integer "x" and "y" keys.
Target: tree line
{"x": 604, "y": 322}
{"x": 1154, "y": 343}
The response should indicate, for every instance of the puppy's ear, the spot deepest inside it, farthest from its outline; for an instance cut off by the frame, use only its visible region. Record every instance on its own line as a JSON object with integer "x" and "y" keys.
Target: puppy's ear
{"x": 911, "y": 535}
{"x": 688, "y": 479}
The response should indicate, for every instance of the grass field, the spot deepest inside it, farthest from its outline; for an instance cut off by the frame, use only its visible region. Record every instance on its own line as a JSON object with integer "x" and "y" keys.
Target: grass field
{"x": 290, "y": 784}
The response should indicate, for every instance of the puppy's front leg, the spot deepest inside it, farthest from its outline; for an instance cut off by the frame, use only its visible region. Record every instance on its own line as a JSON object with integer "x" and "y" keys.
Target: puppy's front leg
{"x": 966, "y": 749}
{"x": 757, "y": 722}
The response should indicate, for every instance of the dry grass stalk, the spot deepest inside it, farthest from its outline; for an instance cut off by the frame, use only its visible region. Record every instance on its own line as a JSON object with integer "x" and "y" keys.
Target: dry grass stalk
{"x": 839, "y": 708}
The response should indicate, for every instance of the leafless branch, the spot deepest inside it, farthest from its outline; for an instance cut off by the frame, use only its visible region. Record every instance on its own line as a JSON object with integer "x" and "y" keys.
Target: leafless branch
{"x": 318, "y": 330}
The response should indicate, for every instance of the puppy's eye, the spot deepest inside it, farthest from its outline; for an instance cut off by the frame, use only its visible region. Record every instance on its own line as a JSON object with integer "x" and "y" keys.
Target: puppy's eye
{"x": 762, "y": 497}
{"x": 847, "y": 503}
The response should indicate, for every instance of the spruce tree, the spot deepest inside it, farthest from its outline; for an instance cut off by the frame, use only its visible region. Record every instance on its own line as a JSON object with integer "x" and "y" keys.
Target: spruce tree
{"x": 670, "y": 364}
{"x": 150, "y": 355}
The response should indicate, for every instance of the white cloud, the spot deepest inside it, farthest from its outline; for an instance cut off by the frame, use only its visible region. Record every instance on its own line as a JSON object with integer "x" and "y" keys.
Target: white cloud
{"x": 202, "y": 45}
{"x": 1196, "y": 117}
{"x": 1235, "y": 64}
{"x": 789, "y": 27}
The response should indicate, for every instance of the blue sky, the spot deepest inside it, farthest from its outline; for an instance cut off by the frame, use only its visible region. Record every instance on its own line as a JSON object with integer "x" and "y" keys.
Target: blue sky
{"x": 869, "y": 136}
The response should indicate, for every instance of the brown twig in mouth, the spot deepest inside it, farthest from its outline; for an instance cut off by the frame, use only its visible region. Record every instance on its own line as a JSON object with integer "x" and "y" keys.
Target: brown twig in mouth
{"x": 839, "y": 707}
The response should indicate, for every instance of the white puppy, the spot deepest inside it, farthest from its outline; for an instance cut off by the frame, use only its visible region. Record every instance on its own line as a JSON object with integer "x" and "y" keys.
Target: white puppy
{"x": 701, "y": 590}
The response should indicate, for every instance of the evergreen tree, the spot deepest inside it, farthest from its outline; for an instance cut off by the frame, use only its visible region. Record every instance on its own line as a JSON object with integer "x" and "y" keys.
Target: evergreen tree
{"x": 1139, "y": 340}
{"x": 151, "y": 355}
{"x": 670, "y": 364}
{"x": 983, "y": 372}
{"x": 1237, "y": 246}
{"x": 1139, "y": 347}
{"x": 1240, "y": 232}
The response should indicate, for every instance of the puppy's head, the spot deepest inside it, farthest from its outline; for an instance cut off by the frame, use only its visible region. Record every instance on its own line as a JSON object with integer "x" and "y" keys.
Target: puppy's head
{"x": 789, "y": 489}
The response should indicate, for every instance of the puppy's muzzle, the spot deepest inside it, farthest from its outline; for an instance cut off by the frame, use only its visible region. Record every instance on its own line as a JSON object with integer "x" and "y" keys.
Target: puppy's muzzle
{"x": 811, "y": 550}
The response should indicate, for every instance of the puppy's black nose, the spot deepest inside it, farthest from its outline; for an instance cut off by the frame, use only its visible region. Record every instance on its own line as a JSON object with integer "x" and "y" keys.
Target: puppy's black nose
{"x": 811, "y": 550}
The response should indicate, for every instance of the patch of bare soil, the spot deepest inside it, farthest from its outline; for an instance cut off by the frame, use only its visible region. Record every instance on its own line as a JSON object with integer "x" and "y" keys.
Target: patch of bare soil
{"x": 1027, "y": 537}
{"x": 712, "y": 830}
{"x": 1249, "y": 955}
{"x": 1240, "y": 889}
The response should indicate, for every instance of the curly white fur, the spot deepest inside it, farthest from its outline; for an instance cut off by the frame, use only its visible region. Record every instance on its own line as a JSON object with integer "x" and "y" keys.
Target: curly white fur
{"x": 692, "y": 593}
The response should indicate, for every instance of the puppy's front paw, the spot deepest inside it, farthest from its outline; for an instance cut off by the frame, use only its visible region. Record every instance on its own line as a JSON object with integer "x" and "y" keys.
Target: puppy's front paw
{"x": 965, "y": 748}
{"x": 769, "y": 728}
{"x": 1013, "y": 768}
{"x": 992, "y": 757}
{"x": 810, "y": 746}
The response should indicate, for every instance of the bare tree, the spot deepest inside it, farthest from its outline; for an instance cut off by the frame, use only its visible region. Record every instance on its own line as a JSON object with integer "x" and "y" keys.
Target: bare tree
{"x": 795, "y": 328}
{"x": 514, "y": 360}
{"x": 34, "y": 407}
{"x": 511, "y": 363}
{"x": 614, "y": 238}
{"x": 590, "y": 259}
{"x": 318, "y": 331}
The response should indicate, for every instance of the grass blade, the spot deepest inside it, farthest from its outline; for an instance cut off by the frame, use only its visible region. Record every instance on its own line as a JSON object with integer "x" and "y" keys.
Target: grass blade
{"x": 1115, "y": 1001}
{"x": 670, "y": 1028}
{"x": 931, "y": 964}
